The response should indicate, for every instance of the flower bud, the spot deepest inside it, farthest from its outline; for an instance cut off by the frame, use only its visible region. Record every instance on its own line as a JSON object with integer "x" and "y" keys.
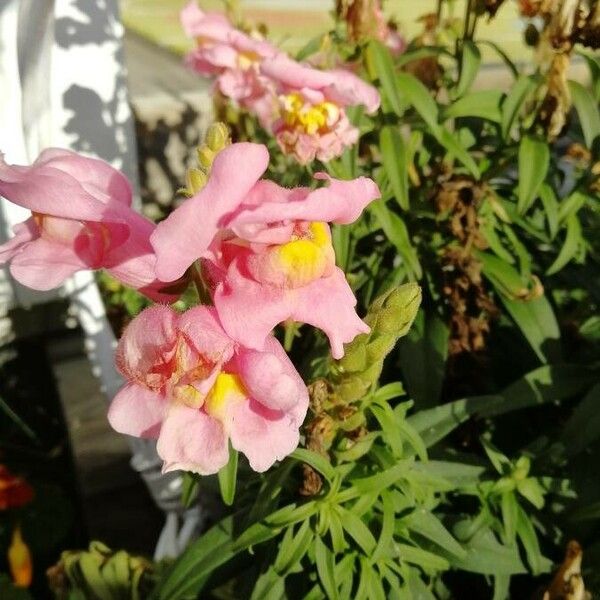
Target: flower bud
{"x": 217, "y": 136}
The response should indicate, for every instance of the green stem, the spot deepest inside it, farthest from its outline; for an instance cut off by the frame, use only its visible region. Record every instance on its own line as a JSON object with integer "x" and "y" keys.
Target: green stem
{"x": 290, "y": 329}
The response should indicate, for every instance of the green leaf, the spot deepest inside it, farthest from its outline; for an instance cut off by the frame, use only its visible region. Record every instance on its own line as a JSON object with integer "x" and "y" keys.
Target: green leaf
{"x": 509, "y": 508}
{"x": 571, "y": 205}
{"x": 594, "y": 66}
{"x": 228, "y": 477}
{"x": 448, "y": 139}
{"x": 386, "y": 418}
{"x": 311, "y": 47}
{"x": 569, "y": 249}
{"x": 336, "y": 531}
{"x": 394, "y": 158}
{"x": 420, "y": 99}
{"x": 190, "y": 571}
{"x": 380, "y": 481}
{"x": 381, "y": 60}
{"x": 484, "y": 104}
{"x": 190, "y": 488}
{"x": 550, "y": 203}
{"x": 537, "y": 322}
{"x": 316, "y": 461}
{"x": 386, "y": 535}
{"x": 269, "y": 586}
{"x": 421, "y": 558}
{"x": 486, "y": 555}
{"x": 587, "y": 109}
{"x": 469, "y": 66}
{"x": 425, "y": 523}
{"x": 499, "y": 461}
{"x": 526, "y": 532}
{"x": 534, "y": 160}
{"x": 325, "y": 565}
{"x": 395, "y": 230}
{"x": 423, "y": 352}
{"x": 503, "y": 56}
{"x": 455, "y": 474}
{"x": 515, "y": 99}
{"x": 358, "y": 531}
{"x": 293, "y": 548}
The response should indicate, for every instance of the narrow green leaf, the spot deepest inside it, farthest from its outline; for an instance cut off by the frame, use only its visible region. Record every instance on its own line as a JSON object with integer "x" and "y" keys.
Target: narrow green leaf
{"x": 526, "y": 532}
{"x": 358, "y": 531}
{"x": 448, "y": 139}
{"x": 534, "y": 160}
{"x": 515, "y": 99}
{"x": 382, "y": 62}
{"x": 569, "y": 249}
{"x": 269, "y": 586}
{"x": 509, "y": 508}
{"x": 395, "y": 230}
{"x": 422, "y": 558}
{"x": 425, "y": 523}
{"x": 469, "y": 66}
{"x": 228, "y": 477}
{"x": 336, "y": 531}
{"x": 394, "y": 158}
{"x": 484, "y": 104}
{"x": 293, "y": 547}
{"x": 420, "y": 99}
{"x": 571, "y": 205}
{"x": 386, "y": 535}
{"x": 587, "y": 109}
{"x": 325, "y": 565}
{"x": 550, "y": 203}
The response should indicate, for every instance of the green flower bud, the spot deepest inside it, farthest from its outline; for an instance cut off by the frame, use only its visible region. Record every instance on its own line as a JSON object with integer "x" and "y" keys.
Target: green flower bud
{"x": 195, "y": 180}
{"x": 217, "y": 136}
{"x": 205, "y": 157}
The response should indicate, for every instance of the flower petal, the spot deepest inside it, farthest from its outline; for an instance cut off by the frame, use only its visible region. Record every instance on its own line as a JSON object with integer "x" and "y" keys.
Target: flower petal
{"x": 263, "y": 435}
{"x": 339, "y": 202}
{"x": 146, "y": 346}
{"x": 25, "y": 232}
{"x": 190, "y": 440}
{"x": 270, "y": 377}
{"x": 137, "y": 411}
{"x": 188, "y": 231}
{"x": 203, "y": 329}
{"x": 44, "y": 265}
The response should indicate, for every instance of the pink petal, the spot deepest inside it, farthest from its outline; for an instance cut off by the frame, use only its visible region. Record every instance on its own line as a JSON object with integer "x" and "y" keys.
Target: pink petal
{"x": 328, "y": 303}
{"x": 190, "y": 440}
{"x": 263, "y": 435}
{"x": 342, "y": 87}
{"x": 203, "y": 329}
{"x": 339, "y": 202}
{"x": 137, "y": 411}
{"x": 146, "y": 345}
{"x": 24, "y": 232}
{"x": 44, "y": 264}
{"x": 197, "y": 23}
{"x": 188, "y": 231}
{"x": 249, "y": 310}
{"x": 270, "y": 376}
{"x": 46, "y": 188}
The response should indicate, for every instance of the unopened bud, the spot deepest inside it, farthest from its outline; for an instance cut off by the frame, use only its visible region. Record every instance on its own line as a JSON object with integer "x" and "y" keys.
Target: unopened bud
{"x": 217, "y": 136}
{"x": 195, "y": 180}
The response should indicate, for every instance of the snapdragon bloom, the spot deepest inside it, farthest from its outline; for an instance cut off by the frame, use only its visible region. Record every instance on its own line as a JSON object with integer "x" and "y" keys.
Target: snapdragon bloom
{"x": 312, "y": 119}
{"x": 195, "y": 390}
{"x": 266, "y": 249}
{"x": 81, "y": 218}
{"x": 233, "y": 57}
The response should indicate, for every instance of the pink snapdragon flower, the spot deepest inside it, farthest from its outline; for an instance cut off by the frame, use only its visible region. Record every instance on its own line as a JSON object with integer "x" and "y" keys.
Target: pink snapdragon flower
{"x": 194, "y": 389}
{"x": 266, "y": 250}
{"x": 312, "y": 119}
{"x": 233, "y": 57}
{"x": 81, "y": 219}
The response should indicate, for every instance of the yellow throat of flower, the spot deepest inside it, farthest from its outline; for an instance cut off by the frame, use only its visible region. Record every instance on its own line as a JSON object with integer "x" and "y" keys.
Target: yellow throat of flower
{"x": 305, "y": 259}
{"x": 227, "y": 388}
{"x": 309, "y": 118}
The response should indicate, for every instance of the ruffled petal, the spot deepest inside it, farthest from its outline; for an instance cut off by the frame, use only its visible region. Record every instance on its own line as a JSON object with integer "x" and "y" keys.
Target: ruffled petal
{"x": 188, "y": 231}
{"x": 328, "y": 303}
{"x": 146, "y": 346}
{"x": 270, "y": 377}
{"x": 263, "y": 435}
{"x": 340, "y": 202}
{"x": 137, "y": 411}
{"x": 190, "y": 440}
{"x": 44, "y": 264}
{"x": 24, "y": 232}
{"x": 204, "y": 331}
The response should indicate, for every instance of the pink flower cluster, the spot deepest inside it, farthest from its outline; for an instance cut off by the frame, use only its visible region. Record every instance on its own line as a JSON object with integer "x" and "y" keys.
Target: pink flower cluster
{"x": 302, "y": 106}
{"x": 212, "y": 376}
